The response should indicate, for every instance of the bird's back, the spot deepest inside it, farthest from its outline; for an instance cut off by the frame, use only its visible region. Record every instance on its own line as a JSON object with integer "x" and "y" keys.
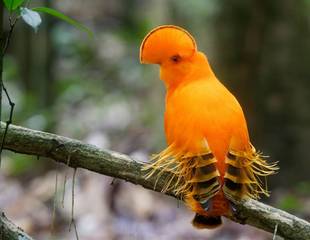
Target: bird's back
{"x": 204, "y": 110}
{"x": 201, "y": 119}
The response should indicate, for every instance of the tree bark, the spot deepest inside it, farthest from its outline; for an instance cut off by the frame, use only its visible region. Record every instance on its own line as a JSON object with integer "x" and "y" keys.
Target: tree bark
{"x": 80, "y": 155}
{"x": 8, "y": 231}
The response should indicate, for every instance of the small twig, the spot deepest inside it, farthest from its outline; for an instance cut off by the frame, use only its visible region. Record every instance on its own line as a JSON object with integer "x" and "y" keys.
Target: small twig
{"x": 54, "y": 205}
{"x": 113, "y": 181}
{"x": 68, "y": 159}
{"x": 72, "y": 222}
{"x": 9, "y": 36}
{"x": 72, "y": 199}
{"x": 12, "y": 104}
{"x": 64, "y": 192}
{"x": 275, "y": 232}
{"x": 65, "y": 182}
{"x": 75, "y": 229}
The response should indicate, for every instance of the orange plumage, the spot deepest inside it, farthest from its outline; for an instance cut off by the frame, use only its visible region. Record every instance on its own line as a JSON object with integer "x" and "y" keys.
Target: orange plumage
{"x": 209, "y": 149}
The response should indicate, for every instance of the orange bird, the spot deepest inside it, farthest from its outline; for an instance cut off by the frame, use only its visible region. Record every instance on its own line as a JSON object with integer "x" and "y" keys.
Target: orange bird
{"x": 209, "y": 149}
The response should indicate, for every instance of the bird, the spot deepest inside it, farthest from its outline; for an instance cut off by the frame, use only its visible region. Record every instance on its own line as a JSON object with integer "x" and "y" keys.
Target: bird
{"x": 209, "y": 153}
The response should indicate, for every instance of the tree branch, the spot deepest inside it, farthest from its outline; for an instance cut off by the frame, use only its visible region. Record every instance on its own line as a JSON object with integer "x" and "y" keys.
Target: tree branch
{"x": 8, "y": 231}
{"x": 80, "y": 155}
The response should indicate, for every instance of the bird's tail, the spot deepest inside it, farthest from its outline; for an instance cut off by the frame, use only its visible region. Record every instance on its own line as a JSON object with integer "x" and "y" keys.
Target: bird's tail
{"x": 194, "y": 178}
{"x": 201, "y": 221}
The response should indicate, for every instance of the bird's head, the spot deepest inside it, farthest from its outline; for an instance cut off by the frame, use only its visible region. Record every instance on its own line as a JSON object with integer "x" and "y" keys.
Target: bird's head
{"x": 167, "y": 43}
{"x": 175, "y": 50}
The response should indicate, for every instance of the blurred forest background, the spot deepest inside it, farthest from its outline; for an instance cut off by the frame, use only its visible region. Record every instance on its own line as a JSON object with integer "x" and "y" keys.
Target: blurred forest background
{"x": 95, "y": 90}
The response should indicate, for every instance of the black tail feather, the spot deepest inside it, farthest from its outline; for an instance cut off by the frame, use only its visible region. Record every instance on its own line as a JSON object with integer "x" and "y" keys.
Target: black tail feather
{"x": 201, "y": 221}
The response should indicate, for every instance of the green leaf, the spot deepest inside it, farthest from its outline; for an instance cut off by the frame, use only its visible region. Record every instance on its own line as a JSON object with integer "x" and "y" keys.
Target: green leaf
{"x": 30, "y": 17}
{"x": 63, "y": 17}
{"x": 12, "y": 4}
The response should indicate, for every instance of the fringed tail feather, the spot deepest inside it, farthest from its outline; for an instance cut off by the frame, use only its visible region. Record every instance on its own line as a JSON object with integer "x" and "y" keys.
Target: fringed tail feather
{"x": 243, "y": 177}
{"x": 244, "y": 174}
{"x": 196, "y": 179}
{"x": 178, "y": 164}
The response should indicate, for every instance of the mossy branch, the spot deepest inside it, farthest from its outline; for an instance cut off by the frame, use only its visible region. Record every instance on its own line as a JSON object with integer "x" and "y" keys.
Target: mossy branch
{"x": 114, "y": 164}
{"x": 8, "y": 231}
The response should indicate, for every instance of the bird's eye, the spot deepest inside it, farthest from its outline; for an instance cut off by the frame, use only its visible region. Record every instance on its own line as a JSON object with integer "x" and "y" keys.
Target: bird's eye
{"x": 175, "y": 58}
